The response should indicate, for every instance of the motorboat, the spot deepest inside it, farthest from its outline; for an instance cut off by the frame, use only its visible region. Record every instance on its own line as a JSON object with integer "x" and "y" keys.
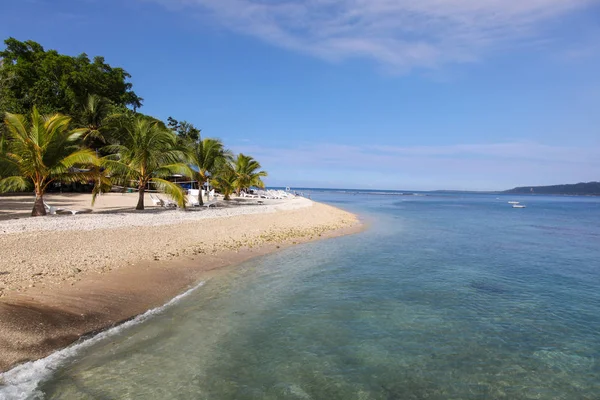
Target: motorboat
{"x": 513, "y": 202}
{"x": 518, "y": 206}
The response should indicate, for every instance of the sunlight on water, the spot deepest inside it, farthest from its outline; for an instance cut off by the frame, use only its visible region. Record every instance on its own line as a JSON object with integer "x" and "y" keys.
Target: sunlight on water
{"x": 442, "y": 298}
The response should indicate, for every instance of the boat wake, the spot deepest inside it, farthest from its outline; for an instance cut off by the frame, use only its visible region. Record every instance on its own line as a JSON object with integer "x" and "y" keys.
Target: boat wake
{"x": 21, "y": 382}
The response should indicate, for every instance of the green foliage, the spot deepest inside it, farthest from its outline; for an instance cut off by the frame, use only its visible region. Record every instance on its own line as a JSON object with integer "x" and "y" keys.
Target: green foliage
{"x": 40, "y": 150}
{"x": 55, "y": 83}
{"x": 205, "y": 157}
{"x": 146, "y": 153}
{"x": 239, "y": 174}
{"x": 94, "y": 115}
{"x": 184, "y": 130}
{"x": 225, "y": 180}
{"x": 247, "y": 173}
{"x": 139, "y": 150}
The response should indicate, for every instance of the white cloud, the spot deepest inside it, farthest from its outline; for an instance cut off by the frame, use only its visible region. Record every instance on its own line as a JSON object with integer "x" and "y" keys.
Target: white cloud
{"x": 401, "y": 34}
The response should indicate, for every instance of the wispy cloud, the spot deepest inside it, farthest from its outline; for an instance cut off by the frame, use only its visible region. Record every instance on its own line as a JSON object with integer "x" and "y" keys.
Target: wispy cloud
{"x": 401, "y": 34}
{"x": 466, "y": 166}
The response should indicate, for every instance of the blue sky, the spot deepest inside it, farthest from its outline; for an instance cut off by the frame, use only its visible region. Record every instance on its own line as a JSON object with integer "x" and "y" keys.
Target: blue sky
{"x": 389, "y": 94}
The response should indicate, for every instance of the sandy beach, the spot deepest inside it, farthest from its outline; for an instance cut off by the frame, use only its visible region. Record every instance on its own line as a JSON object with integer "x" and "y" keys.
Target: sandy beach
{"x": 65, "y": 276}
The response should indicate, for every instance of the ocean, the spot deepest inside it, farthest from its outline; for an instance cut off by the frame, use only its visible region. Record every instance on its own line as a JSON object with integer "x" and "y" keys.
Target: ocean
{"x": 443, "y": 296}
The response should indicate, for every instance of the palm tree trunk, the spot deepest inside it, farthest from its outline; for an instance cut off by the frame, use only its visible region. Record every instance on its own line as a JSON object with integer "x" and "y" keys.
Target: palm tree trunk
{"x": 38, "y": 207}
{"x": 200, "y": 186}
{"x": 140, "y": 204}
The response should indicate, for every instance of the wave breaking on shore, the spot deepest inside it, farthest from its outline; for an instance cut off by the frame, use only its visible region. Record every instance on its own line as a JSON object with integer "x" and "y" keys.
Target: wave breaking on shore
{"x": 22, "y": 382}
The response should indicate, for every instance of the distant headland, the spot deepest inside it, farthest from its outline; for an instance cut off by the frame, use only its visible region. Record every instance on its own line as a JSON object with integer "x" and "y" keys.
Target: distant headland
{"x": 579, "y": 189}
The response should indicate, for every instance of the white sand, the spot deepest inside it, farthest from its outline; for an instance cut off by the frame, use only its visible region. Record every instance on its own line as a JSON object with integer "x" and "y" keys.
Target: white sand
{"x": 62, "y": 249}
{"x": 105, "y": 215}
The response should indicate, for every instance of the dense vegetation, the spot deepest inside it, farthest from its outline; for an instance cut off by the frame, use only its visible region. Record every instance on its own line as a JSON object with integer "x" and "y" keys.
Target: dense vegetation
{"x": 589, "y": 189}
{"x": 68, "y": 119}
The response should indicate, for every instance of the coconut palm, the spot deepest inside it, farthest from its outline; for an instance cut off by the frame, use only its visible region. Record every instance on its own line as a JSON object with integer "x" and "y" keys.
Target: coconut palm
{"x": 39, "y": 151}
{"x": 95, "y": 111}
{"x": 96, "y": 118}
{"x": 247, "y": 173}
{"x": 225, "y": 180}
{"x": 147, "y": 153}
{"x": 205, "y": 157}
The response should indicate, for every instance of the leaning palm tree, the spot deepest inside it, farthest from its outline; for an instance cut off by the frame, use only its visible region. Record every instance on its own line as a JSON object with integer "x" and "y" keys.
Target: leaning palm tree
{"x": 247, "y": 173}
{"x": 147, "y": 154}
{"x": 39, "y": 151}
{"x": 205, "y": 157}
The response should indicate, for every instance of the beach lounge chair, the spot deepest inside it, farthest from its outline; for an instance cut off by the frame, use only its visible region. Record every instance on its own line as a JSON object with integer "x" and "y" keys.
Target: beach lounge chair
{"x": 160, "y": 202}
{"x": 56, "y": 210}
{"x": 73, "y": 212}
{"x": 192, "y": 198}
{"x": 157, "y": 201}
{"x": 248, "y": 195}
{"x": 168, "y": 202}
{"x": 210, "y": 203}
{"x": 51, "y": 209}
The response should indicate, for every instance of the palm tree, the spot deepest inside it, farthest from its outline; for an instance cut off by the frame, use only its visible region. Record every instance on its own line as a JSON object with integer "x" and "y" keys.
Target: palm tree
{"x": 41, "y": 150}
{"x": 205, "y": 157}
{"x": 96, "y": 118}
{"x": 225, "y": 180}
{"x": 93, "y": 116}
{"x": 247, "y": 174}
{"x": 147, "y": 153}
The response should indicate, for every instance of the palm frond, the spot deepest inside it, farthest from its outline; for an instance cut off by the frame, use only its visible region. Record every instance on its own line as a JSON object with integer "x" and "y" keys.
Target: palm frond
{"x": 174, "y": 169}
{"x": 172, "y": 189}
{"x": 14, "y": 184}
{"x": 42, "y": 149}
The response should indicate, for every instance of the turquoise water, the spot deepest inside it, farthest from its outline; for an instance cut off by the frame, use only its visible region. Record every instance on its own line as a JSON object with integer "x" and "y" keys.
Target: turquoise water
{"x": 443, "y": 297}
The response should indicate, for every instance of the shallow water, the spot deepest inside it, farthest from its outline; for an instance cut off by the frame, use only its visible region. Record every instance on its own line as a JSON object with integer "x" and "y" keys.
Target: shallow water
{"x": 444, "y": 297}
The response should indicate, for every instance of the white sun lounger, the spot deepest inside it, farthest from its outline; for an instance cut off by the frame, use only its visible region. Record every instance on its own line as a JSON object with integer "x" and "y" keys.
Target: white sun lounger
{"x": 168, "y": 202}
{"x": 57, "y": 210}
{"x": 210, "y": 203}
{"x": 157, "y": 201}
{"x": 160, "y": 202}
{"x": 193, "y": 201}
{"x": 248, "y": 195}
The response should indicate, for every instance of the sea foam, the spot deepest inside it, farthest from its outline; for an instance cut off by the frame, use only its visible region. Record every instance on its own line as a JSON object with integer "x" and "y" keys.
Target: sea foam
{"x": 21, "y": 382}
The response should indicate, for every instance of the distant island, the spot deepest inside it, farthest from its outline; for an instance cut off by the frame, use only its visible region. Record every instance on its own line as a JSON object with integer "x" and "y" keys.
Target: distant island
{"x": 579, "y": 189}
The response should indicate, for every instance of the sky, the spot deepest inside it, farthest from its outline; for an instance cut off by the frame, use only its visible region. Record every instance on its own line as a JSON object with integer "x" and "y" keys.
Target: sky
{"x": 373, "y": 94}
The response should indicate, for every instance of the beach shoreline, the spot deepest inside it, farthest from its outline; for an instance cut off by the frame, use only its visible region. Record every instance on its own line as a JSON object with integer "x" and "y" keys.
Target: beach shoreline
{"x": 61, "y": 286}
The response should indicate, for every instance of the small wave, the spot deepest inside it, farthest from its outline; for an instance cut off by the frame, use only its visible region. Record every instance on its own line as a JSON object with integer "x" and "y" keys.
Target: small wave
{"x": 21, "y": 382}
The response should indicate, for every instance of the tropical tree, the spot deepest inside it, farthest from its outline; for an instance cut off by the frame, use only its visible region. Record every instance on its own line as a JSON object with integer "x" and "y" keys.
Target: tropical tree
{"x": 184, "y": 130}
{"x": 31, "y": 75}
{"x": 205, "y": 157}
{"x": 147, "y": 153}
{"x": 225, "y": 180}
{"x": 6, "y": 168}
{"x": 39, "y": 151}
{"x": 247, "y": 173}
{"x": 94, "y": 114}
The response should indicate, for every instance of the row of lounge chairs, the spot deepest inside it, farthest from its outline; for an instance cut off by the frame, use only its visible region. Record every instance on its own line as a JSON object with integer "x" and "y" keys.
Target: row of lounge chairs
{"x": 193, "y": 200}
{"x": 268, "y": 194}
